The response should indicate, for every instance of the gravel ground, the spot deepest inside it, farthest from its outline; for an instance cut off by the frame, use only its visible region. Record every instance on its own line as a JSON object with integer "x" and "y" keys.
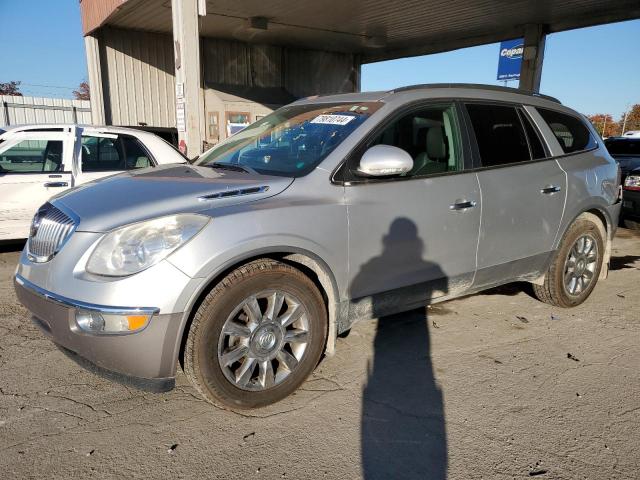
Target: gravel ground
{"x": 493, "y": 386}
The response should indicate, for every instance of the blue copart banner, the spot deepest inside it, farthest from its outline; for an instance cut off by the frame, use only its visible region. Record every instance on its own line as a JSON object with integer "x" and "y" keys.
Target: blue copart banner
{"x": 510, "y": 59}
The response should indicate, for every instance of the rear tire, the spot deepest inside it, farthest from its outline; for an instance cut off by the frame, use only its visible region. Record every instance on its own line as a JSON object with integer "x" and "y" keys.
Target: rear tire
{"x": 575, "y": 268}
{"x": 256, "y": 336}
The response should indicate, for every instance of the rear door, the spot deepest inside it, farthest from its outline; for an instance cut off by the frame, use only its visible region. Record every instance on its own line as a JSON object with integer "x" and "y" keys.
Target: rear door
{"x": 34, "y": 166}
{"x": 523, "y": 193}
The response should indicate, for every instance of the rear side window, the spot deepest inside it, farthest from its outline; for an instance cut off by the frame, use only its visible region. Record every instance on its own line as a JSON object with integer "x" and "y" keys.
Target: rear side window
{"x": 105, "y": 154}
{"x": 535, "y": 144}
{"x": 499, "y": 134}
{"x": 571, "y": 132}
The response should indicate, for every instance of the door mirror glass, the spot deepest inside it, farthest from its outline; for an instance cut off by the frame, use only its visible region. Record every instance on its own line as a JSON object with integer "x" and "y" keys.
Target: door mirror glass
{"x": 385, "y": 160}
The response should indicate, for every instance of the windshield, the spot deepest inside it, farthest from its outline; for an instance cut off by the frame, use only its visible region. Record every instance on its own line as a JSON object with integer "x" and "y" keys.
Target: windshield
{"x": 623, "y": 147}
{"x": 291, "y": 141}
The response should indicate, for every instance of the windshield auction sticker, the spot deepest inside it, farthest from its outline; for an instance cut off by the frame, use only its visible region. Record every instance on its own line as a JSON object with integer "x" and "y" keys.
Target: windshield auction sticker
{"x": 333, "y": 119}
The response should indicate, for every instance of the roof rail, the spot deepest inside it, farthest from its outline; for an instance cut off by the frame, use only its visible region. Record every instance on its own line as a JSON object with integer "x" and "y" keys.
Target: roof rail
{"x": 478, "y": 86}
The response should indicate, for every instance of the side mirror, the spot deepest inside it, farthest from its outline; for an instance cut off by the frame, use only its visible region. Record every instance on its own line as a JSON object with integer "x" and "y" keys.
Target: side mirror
{"x": 385, "y": 160}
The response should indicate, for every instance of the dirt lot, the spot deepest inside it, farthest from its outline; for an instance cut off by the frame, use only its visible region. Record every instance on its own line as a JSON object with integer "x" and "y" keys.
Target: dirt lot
{"x": 493, "y": 386}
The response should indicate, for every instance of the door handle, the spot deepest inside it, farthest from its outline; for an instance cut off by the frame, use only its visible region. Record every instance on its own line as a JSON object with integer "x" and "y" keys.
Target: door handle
{"x": 550, "y": 190}
{"x": 56, "y": 184}
{"x": 462, "y": 205}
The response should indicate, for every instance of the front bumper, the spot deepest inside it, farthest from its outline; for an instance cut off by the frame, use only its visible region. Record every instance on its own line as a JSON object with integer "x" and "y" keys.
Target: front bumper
{"x": 631, "y": 203}
{"x": 145, "y": 359}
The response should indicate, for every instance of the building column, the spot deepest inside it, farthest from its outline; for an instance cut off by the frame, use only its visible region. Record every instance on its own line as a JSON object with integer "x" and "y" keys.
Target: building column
{"x": 186, "y": 44}
{"x": 532, "y": 58}
{"x": 92, "y": 48}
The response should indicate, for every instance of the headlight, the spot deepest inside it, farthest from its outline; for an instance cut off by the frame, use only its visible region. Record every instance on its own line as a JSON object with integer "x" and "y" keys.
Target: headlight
{"x": 136, "y": 247}
{"x": 632, "y": 182}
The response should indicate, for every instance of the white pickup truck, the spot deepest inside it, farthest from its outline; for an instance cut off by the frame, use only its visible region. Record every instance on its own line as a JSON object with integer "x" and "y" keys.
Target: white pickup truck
{"x": 39, "y": 161}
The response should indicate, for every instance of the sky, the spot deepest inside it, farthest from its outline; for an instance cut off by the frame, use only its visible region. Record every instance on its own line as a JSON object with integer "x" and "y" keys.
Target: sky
{"x": 594, "y": 70}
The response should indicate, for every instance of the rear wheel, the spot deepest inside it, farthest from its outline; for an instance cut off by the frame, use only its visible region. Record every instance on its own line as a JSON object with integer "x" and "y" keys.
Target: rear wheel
{"x": 256, "y": 336}
{"x": 574, "y": 271}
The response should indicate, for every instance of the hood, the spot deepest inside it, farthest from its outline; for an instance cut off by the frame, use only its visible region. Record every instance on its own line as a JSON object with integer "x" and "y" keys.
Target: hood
{"x": 149, "y": 193}
{"x": 627, "y": 162}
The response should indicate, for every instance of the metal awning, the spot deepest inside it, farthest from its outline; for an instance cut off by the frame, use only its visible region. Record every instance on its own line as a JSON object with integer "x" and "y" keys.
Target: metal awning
{"x": 376, "y": 29}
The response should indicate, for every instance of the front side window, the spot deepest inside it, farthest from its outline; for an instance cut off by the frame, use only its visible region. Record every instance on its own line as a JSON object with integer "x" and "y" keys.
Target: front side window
{"x": 291, "y": 141}
{"x": 32, "y": 156}
{"x": 430, "y": 136}
{"x": 499, "y": 134}
{"x": 570, "y": 131}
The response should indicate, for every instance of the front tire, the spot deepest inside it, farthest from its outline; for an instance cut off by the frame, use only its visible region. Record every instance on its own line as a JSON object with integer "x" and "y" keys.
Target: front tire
{"x": 256, "y": 336}
{"x": 575, "y": 269}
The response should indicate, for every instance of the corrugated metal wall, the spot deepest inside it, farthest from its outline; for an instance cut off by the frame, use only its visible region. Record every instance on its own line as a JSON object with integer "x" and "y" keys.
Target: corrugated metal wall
{"x": 139, "y": 82}
{"x": 138, "y": 77}
{"x": 28, "y": 110}
{"x": 301, "y": 72}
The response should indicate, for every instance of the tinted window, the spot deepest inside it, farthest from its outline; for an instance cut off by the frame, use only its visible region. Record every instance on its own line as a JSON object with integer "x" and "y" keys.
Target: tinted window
{"x": 535, "y": 144}
{"x": 104, "y": 154}
{"x": 623, "y": 146}
{"x": 136, "y": 155}
{"x": 571, "y": 133}
{"x": 430, "y": 136}
{"x": 499, "y": 134}
{"x": 32, "y": 156}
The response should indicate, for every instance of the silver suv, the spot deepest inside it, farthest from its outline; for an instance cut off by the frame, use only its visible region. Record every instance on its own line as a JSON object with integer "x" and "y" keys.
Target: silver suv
{"x": 246, "y": 266}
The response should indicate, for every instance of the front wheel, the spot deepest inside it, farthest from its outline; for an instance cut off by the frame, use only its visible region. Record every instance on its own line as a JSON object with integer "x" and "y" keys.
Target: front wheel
{"x": 256, "y": 336}
{"x": 575, "y": 269}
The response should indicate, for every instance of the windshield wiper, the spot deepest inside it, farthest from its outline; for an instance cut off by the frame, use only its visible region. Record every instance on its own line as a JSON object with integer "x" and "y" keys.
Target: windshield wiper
{"x": 228, "y": 166}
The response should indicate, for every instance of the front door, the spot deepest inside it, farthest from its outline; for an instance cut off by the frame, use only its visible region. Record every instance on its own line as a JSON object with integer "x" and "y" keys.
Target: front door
{"x": 523, "y": 194}
{"x": 34, "y": 166}
{"x": 413, "y": 238}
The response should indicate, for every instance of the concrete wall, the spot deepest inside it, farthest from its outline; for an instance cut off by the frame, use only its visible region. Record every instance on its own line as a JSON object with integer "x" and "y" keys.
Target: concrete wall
{"x": 139, "y": 82}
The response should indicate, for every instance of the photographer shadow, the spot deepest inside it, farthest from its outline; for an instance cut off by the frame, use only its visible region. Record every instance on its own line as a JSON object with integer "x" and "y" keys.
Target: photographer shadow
{"x": 403, "y": 431}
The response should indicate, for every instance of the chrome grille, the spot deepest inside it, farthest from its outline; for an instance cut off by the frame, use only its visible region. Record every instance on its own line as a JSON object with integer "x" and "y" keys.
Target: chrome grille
{"x": 50, "y": 229}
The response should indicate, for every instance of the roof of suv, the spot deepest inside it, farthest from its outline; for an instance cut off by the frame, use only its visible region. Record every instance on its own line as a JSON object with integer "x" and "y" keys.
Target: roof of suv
{"x": 443, "y": 90}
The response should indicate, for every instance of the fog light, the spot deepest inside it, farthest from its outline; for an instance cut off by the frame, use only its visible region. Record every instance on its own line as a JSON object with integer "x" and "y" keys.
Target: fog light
{"x": 107, "y": 323}
{"x": 90, "y": 321}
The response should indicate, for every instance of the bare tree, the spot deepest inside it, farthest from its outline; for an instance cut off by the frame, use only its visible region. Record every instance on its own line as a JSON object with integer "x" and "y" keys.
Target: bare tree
{"x": 82, "y": 93}
{"x": 10, "y": 88}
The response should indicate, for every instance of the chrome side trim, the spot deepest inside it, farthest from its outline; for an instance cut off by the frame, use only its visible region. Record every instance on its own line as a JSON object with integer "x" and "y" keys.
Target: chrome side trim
{"x": 234, "y": 193}
{"x": 68, "y": 302}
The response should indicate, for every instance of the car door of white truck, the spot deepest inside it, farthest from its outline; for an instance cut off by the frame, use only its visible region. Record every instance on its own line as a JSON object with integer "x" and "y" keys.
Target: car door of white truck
{"x": 34, "y": 166}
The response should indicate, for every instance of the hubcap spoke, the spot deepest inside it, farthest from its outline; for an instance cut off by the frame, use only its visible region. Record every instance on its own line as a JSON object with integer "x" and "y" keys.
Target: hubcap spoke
{"x": 274, "y": 306}
{"x": 291, "y": 315}
{"x": 266, "y": 377}
{"x": 288, "y": 360}
{"x": 233, "y": 356}
{"x": 252, "y": 309}
{"x": 296, "y": 336}
{"x": 237, "y": 330}
{"x": 244, "y": 373}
